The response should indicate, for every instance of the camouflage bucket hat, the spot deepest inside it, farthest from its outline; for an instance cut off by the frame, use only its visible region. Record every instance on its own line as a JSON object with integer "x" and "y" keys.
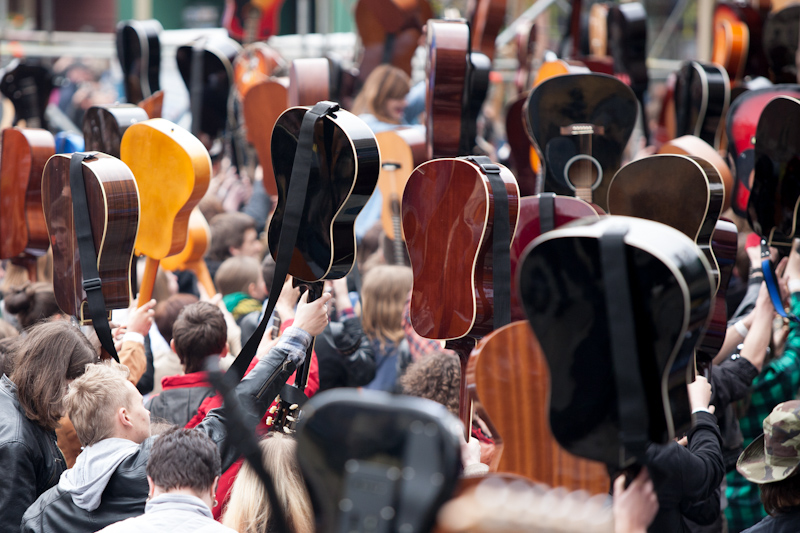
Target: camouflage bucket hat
{"x": 775, "y": 455}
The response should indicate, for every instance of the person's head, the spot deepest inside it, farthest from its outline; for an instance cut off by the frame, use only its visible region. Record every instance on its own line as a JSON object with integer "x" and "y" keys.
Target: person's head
{"x": 436, "y": 377}
{"x": 384, "y": 296}
{"x": 772, "y": 460}
{"x": 32, "y": 303}
{"x": 268, "y": 271}
{"x": 52, "y": 354}
{"x": 102, "y": 403}
{"x": 234, "y": 234}
{"x": 383, "y": 94}
{"x": 184, "y": 461}
{"x": 248, "y": 509}
{"x": 167, "y": 312}
{"x": 198, "y": 332}
{"x": 241, "y": 274}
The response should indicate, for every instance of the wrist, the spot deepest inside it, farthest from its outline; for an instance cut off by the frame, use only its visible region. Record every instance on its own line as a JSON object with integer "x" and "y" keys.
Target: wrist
{"x": 741, "y": 328}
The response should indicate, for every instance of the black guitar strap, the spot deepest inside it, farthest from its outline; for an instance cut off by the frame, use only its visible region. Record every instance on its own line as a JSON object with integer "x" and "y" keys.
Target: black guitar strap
{"x": 631, "y": 405}
{"x": 88, "y": 255}
{"x": 293, "y": 213}
{"x": 547, "y": 216}
{"x": 501, "y": 242}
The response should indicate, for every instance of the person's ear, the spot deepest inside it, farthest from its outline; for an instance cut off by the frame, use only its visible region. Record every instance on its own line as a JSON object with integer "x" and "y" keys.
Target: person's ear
{"x": 124, "y": 417}
{"x": 224, "y": 351}
{"x": 151, "y": 488}
{"x": 172, "y": 346}
{"x": 251, "y": 289}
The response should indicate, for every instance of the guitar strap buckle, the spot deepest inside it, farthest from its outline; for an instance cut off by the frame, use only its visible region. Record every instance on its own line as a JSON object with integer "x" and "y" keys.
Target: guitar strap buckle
{"x": 92, "y": 284}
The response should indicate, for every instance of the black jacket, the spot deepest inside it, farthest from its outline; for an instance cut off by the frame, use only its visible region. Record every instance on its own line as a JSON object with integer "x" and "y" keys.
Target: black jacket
{"x": 682, "y": 476}
{"x": 126, "y": 492}
{"x": 178, "y": 405}
{"x": 30, "y": 460}
{"x": 345, "y": 355}
{"x": 782, "y": 523}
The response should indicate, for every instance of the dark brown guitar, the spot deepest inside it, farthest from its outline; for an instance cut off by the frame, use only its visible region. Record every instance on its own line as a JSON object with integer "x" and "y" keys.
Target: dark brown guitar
{"x": 509, "y": 383}
{"x": 28, "y": 85}
{"x": 139, "y": 53}
{"x": 23, "y": 232}
{"x": 104, "y": 126}
{"x": 486, "y": 17}
{"x": 114, "y": 214}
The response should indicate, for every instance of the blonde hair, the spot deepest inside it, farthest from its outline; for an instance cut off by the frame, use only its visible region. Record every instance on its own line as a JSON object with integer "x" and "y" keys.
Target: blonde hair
{"x": 93, "y": 398}
{"x": 384, "y": 83}
{"x": 384, "y": 296}
{"x": 236, "y": 273}
{"x": 248, "y": 506}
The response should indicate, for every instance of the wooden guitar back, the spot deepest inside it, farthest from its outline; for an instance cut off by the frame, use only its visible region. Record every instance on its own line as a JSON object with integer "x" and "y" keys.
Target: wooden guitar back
{"x": 172, "y": 170}
{"x": 309, "y": 81}
{"x": 255, "y": 64}
{"x": 401, "y": 151}
{"x": 447, "y": 222}
{"x": 486, "y": 18}
{"x": 104, "y": 126}
{"x": 191, "y": 257}
{"x": 262, "y": 105}
{"x": 22, "y": 225}
{"x": 696, "y": 147}
{"x": 114, "y": 215}
{"x": 509, "y": 383}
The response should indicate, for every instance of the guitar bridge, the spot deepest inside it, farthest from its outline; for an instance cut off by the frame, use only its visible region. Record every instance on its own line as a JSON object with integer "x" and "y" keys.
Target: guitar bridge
{"x": 582, "y": 129}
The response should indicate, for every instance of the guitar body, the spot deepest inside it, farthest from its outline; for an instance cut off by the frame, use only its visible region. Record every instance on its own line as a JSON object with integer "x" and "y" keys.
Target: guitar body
{"x": 564, "y": 292}
{"x": 153, "y": 104}
{"x": 696, "y": 147}
{"x": 448, "y": 209}
{"x": 702, "y": 96}
{"x": 724, "y": 244}
{"x": 262, "y": 105}
{"x": 741, "y": 124}
{"x": 104, "y": 126}
{"x": 237, "y": 12}
{"x": 509, "y": 383}
{"x": 559, "y": 110}
{"x": 22, "y": 225}
{"x": 486, "y": 17}
{"x": 309, "y": 81}
{"x": 563, "y": 209}
{"x": 773, "y": 206}
{"x": 254, "y": 65}
{"x": 685, "y": 193}
{"x": 598, "y": 30}
{"x": 401, "y": 151}
{"x": 521, "y": 147}
{"x": 344, "y": 172}
{"x": 113, "y": 201}
{"x": 172, "y": 170}
{"x": 446, "y": 70}
{"x": 781, "y": 32}
{"x": 627, "y": 44}
{"x": 139, "y": 53}
{"x": 28, "y": 85}
{"x": 198, "y": 239}
{"x": 737, "y": 41}
{"x": 389, "y": 31}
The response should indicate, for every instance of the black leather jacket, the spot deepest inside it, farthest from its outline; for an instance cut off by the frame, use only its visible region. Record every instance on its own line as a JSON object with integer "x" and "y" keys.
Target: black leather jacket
{"x": 126, "y": 492}
{"x": 30, "y": 460}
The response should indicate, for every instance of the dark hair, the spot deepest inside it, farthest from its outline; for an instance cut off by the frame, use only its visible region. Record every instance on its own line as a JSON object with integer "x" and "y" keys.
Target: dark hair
{"x": 52, "y": 354}
{"x": 32, "y": 303}
{"x": 235, "y": 274}
{"x": 199, "y": 331}
{"x": 268, "y": 270}
{"x": 183, "y": 458}
{"x": 781, "y": 496}
{"x": 436, "y": 377}
{"x": 227, "y": 231}
{"x": 166, "y": 312}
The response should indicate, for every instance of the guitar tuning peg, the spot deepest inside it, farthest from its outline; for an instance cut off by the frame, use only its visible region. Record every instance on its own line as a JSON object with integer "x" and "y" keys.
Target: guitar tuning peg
{"x": 273, "y": 409}
{"x": 269, "y": 420}
{"x": 291, "y": 418}
{"x": 278, "y": 399}
{"x": 293, "y": 406}
{"x": 287, "y": 430}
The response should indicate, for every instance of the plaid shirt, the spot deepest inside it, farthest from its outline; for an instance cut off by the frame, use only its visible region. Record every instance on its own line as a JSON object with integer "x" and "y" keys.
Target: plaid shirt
{"x": 778, "y": 382}
{"x": 419, "y": 346}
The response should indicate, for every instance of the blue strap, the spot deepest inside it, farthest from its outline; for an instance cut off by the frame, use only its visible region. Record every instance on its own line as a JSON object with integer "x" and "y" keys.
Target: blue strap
{"x": 772, "y": 284}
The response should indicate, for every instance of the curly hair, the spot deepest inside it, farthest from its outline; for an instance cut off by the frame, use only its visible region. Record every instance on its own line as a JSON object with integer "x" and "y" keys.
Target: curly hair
{"x": 436, "y": 377}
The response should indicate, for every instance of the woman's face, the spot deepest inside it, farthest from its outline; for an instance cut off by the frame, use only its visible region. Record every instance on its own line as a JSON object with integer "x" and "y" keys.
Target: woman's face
{"x": 395, "y": 107}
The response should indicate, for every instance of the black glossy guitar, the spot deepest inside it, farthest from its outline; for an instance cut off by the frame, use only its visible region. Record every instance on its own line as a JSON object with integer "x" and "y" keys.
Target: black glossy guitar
{"x": 781, "y": 32}
{"x": 580, "y": 124}
{"x": 104, "y": 126}
{"x": 28, "y": 85}
{"x": 139, "y": 54}
{"x": 627, "y": 44}
{"x": 702, "y": 96}
{"x": 582, "y": 286}
{"x": 775, "y": 196}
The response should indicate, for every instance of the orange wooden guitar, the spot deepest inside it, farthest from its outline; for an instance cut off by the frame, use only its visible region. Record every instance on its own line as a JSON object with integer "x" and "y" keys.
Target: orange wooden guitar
{"x": 255, "y": 64}
{"x": 262, "y": 105}
{"x": 191, "y": 257}
{"x": 509, "y": 383}
{"x": 153, "y": 104}
{"x": 23, "y": 232}
{"x": 172, "y": 170}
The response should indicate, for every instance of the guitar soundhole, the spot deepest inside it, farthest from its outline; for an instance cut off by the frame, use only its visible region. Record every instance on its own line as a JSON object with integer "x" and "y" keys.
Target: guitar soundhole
{"x": 583, "y": 172}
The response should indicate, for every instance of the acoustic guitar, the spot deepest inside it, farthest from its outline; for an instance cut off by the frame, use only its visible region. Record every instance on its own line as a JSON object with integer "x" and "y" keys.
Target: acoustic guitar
{"x": 262, "y": 105}
{"x": 620, "y": 328}
{"x": 773, "y": 205}
{"x": 724, "y": 244}
{"x": 114, "y": 214}
{"x": 255, "y": 64}
{"x": 580, "y": 124}
{"x": 627, "y": 45}
{"x": 104, "y": 126}
{"x": 389, "y": 31}
{"x": 401, "y": 151}
{"x": 740, "y": 124}
{"x": 153, "y": 104}
{"x": 537, "y": 215}
{"x": 737, "y": 41}
{"x": 139, "y": 54}
{"x": 509, "y": 383}
{"x": 23, "y": 231}
{"x": 252, "y": 20}
{"x": 172, "y": 170}
{"x": 702, "y": 96}
{"x": 781, "y": 33}
{"x": 309, "y": 81}
{"x": 696, "y": 147}
{"x": 198, "y": 239}
{"x": 28, "y": 85}
{"x": 526, "y": 47}
{"x": 344, "y": 171}
{"x": 486, "y": 17}
{"x": 522, "y": 152}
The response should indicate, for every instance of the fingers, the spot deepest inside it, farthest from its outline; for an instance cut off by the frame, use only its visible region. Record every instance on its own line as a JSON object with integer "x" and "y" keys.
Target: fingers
{"x": 712, "y": 409}
{"x": 619, "y": 484}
